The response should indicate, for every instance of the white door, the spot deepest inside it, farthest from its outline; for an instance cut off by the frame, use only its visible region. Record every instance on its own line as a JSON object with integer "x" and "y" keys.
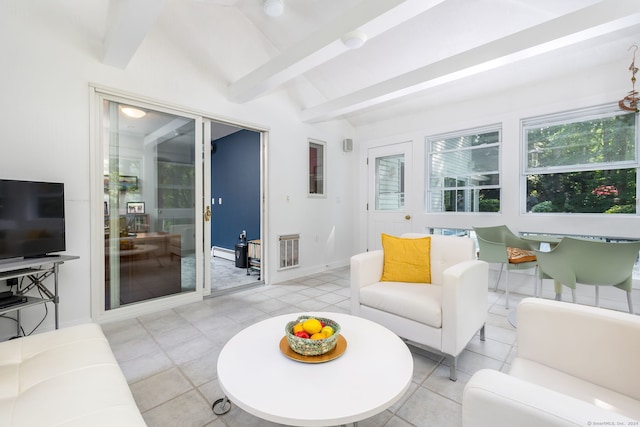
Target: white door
{"x": 388, "y": 186}
{"x": 206, "y": 202}
{"x": 152, "y": 195}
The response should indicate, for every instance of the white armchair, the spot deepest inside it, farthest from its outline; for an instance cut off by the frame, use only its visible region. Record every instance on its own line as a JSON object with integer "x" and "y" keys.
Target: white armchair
{"x": 442, "y": 316}
{"x": 576, "y": 365}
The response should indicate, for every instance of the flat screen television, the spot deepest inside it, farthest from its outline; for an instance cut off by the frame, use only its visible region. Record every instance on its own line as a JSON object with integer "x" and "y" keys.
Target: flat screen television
{"x": 31, "y": 219}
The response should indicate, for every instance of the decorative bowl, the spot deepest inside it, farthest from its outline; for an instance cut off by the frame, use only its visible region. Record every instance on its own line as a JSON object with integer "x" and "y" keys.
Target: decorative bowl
{"x": 309, "y": 347}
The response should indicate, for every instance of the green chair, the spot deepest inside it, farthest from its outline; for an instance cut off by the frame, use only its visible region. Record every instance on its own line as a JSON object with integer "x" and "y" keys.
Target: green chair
{"x": 495, "y": 245}
{"x": 589, "y": 262}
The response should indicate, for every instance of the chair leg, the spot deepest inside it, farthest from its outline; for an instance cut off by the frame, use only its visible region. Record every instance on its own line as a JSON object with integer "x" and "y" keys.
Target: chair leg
{"x": 535, "y": 282}
{"x": 558, "y": 288}
{"x": 482, "y": 333}
{"x": 573, "y": 295}
{"x": 506, "y": 289}
{"x": 630, "y": 302}
{"x": 452, "y": 368}
{"x": 499, "y": 276}
{"x": 597, "y": 296}
{"x": 540, "y": 294}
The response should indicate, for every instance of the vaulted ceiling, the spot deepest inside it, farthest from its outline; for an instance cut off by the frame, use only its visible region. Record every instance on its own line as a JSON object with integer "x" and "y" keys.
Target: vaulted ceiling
{"x": 418, "y": 53}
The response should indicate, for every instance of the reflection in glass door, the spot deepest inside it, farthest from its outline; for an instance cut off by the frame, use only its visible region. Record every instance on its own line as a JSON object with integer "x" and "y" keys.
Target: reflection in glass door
{"x": 149, "y": 204}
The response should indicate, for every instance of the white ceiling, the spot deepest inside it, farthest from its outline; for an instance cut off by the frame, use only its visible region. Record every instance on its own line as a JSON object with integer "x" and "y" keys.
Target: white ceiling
{"x": 419, "y": 52}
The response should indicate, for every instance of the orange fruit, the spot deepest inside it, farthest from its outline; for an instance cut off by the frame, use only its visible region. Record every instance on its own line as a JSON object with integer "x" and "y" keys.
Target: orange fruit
{"x": 318, "y": 336}
{"x": 297, "y": 328}
{"x": 312, "y": 326}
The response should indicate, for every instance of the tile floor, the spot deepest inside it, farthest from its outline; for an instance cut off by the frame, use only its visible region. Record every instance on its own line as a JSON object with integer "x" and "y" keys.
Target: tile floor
{"x": 169, "y": 358}
{"x": 225, "y": 275}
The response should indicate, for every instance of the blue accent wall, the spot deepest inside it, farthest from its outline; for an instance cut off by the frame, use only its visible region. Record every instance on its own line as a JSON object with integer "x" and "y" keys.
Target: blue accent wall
{"x": 235, "y": 177}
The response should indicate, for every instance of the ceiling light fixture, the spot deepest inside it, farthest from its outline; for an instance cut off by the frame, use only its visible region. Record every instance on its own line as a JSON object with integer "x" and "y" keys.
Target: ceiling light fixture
{"x": 273, "y": 7}
{"x": 134, "y": 113}
{"x": 354, "y": 39}
{"x": 631, "y": 101}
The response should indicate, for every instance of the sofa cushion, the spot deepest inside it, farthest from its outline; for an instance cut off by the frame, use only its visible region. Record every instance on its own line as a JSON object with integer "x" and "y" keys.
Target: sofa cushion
{"x": 406, "y": 259}
{"x": 586, "y": 391}
{"x": 420, "y": 303}
{"x": 67, "y": 377}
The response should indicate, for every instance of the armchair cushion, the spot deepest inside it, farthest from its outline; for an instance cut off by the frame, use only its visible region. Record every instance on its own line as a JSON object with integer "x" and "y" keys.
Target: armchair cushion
{"x": 420, "y": 303}
{"x": 561, "y": 382}
{"x": 443, "y": 315}
{"x": 406, "y": 260}
{"x": 496, "y": 399}
{"x": 575, "y": 365}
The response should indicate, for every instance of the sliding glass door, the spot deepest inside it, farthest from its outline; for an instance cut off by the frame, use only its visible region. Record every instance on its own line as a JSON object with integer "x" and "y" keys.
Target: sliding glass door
{"x": 150, "y": 202}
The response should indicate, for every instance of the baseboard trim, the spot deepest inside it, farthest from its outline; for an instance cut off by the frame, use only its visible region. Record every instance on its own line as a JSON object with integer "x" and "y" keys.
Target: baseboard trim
{"x": 223, "y": 253}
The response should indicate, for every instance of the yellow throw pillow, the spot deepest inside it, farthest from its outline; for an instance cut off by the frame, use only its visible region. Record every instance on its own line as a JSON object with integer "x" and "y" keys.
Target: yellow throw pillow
{"x": 406, "y": 260}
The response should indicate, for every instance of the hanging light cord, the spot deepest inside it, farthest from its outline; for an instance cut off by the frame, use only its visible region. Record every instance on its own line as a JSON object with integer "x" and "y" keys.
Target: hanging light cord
{"x": 631, "y": 101}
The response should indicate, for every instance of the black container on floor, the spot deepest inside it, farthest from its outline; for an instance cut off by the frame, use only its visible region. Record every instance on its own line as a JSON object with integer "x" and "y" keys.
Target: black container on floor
{"x": 241, "y": 255}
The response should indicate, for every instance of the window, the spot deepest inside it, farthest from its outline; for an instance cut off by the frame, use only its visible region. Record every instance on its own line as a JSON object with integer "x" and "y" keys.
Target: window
{"x": 464, "y": 173}
{"x": 317, "y": 161}
{"x": 583, "y": 161}
{"x": 390, "y": 182}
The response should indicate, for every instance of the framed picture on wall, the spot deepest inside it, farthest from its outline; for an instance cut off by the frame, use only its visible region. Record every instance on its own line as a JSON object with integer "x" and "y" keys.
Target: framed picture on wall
{"x": 135, "y": 207}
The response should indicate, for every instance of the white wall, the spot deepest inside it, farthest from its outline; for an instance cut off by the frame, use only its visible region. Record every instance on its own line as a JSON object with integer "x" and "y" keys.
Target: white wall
{"x": 595, "y": 86}
{"x": 598, "y": 86}
{"x": 51, "y": 54}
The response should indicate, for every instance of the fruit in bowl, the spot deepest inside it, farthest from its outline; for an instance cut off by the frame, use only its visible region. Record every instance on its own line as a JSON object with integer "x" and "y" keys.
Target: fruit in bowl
{"x": 312, "y": 336}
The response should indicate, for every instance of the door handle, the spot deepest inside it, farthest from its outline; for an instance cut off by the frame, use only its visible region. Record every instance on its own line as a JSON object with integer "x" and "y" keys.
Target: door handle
{"x": 207, "y": 214}
{"x": 407, "y": 217}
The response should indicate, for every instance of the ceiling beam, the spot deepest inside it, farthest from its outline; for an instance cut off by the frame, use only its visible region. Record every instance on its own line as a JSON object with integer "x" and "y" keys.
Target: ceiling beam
{"x": 587, "y": 23}
{"x": 373, "y": 17}
{"x": 128, "y": 23}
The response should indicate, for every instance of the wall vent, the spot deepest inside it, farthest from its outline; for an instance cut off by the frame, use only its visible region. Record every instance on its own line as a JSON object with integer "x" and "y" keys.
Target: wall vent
{"x": 289, "y": 251}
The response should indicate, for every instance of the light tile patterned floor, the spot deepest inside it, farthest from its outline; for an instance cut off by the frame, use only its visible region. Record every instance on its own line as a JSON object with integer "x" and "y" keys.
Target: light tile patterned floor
{"x": 225, "y": 275}
{"x": 169, "y": 358}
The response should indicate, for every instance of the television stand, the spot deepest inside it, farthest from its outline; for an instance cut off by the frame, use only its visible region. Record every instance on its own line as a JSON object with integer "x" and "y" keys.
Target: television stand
{"x": 36, "y": 270}
{"x": 43, "y": 256}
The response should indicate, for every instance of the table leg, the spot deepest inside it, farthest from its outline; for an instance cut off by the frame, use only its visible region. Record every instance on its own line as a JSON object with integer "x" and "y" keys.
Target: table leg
{"x": 55, "y": 293}
{"x": 221, "y": 406}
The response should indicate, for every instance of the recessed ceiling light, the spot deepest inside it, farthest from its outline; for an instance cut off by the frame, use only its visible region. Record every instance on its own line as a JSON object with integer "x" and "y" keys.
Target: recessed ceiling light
{"x": 354, "y": 39}
{"x": 134, "y": 113}
{"x": 273, "y": 7}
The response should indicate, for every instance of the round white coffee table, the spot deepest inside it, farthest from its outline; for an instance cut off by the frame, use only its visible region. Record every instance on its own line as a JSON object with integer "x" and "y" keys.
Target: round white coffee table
{"x": 372, "y": 374}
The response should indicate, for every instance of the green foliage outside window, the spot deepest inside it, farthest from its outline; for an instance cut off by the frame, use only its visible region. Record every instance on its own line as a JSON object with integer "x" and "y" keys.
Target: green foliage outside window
{"x": 489, "y": 205}
{"x": 176, "y": 186}
{"x": 574, "y": 191}
{"x": 584, "y": 166}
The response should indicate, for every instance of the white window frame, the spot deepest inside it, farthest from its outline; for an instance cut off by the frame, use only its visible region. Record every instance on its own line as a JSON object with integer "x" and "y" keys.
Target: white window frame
{"x": 568, "y": 117}
{"x": 431, "y": 191}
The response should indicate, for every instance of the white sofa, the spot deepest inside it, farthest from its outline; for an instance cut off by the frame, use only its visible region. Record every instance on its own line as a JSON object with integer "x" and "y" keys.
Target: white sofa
{"x": 442, "y": 316}
{"x": 575, "y": 366}
{"x": 66, "y": 378}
